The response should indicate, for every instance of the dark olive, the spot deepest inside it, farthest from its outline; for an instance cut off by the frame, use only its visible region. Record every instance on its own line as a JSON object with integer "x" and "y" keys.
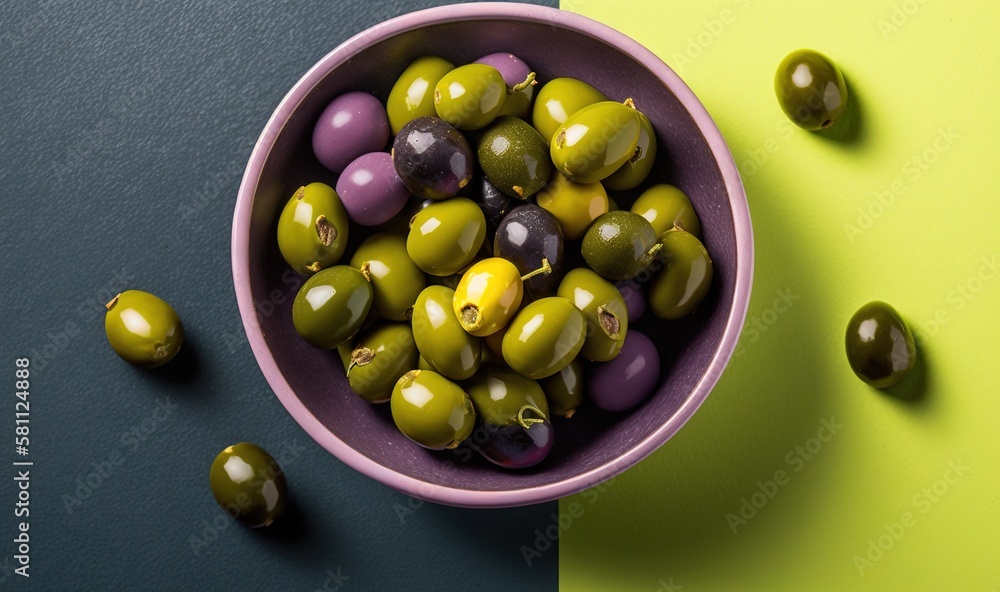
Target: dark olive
{"x": 433, "y": 159}
{"x": 249, "y": 484}
{"x": 494, "y": 203}
{"x": 880, "y": 345}
{"x": 619, "y": 245}
{"x": 514, "y": 157}
{"x": 811, "y": 89}
{"x": 529, "y": 237}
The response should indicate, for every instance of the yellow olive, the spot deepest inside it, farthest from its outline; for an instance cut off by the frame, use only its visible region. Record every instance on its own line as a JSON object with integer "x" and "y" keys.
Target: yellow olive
{"x": 487, "y": 296}
{"x": 573, "y": 205}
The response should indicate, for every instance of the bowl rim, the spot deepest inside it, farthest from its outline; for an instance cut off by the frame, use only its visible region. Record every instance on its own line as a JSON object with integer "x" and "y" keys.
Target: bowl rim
{"x": 491, "y": 11}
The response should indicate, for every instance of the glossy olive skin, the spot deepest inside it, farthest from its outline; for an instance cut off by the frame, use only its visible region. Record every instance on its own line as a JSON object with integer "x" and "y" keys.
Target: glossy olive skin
{"x": 513, "y": 429}
{"x": 380, "y": 356}
{"x": 619, "y": 245}
{"x": 604, "y": 308}
{"x": 635, "y": 170}
{"x": 412, "y": 95}
{"x": 432, "y": 158}
{"x": 431, "y": 410}
{"x": 470, "y": 97}
{"x": 444, "y": 237}
{"x": 440, "y": 338}
{"x": 682, "y": 284}
{"x": 331, "y": 306}
{"x": 514, "y": 157}
{"x": 143, "y": 330}
{"x": 312, "y": 229}
{"x": 574, "y": 205}
{"x": 530, "y": 238}
{"x": 396, "y": 280}
{"x": 810, "y": 89}
{"x": 544, "y": 337}
{"x": 500, "y": 395}
{"x": 565, "y": 389}
{"x": 494, "y": 203}
{"x": 487, "y": 296}
{"x": 880, "y": 346}
{"x": 249, "y": 484}
{"x": 595, "y": 141}
{"x": 557, "y": 100}
{"x": 666, "y": 206}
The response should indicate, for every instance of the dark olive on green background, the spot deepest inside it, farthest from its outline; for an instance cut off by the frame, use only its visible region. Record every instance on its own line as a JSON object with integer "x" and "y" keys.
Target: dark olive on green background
{"x": 501, "y": 396}
{"x": 431, "y": 410}
{"x": 666, "y": 207}
{"x": 249, "y": 484}
{"x": 635, "y": 170}
{"x": 439, "y": 336}
{"x": 445, "y": 236}
{"x": 331, "y": 306}
{"x": 811, "y": 89}
{"x": 544, "y": 337}
{"x": 312, "y": 229}
{"x": 514, "y": 157}
{"x": 685, "y": 279}
{"x": 604, "y": 308}
{"x": 379, "y": 358}
{"x": 557, "y": 100}
{"x": 596, "y": 141}
{"x": 143, "y": 329}
{"x": 880, "y": 346}
{"x": 470, "y": 97}
{"x": 619, "y": 245}
{"x": 564, "y": 390}
{"x": 396, "y": 280}
{"x": 412, "y": 95}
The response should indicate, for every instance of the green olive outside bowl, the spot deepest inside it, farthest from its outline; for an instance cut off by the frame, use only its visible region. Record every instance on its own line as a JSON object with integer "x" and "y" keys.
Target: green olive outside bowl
{"x": 143, "y": 329}
{"x": 249, "y": 484}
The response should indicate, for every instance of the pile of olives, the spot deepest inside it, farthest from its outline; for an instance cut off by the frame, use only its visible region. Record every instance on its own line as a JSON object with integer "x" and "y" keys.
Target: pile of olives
{"x": 462, "y": 307}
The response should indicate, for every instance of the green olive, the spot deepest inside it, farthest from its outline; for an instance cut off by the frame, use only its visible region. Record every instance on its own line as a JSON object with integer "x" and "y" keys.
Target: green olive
{"x": 431, "y": 410}
{"x": 331, "y": 306}
{"x": 603, "y": 307}
{"x": 249, "y": 484}
{"x": 470, "y": 97}
{"x": 488, "y": 295}
{"x": 312, "y": 229}
{"x": 557, "y": 100}
{"x": 564, "y": 390}
{"x": 501, "y": 396}
{"x": 574, "y": 205}
{"x": 396, "y": 280}
{"x": 514, "y": 158}
{"x": 412, "y": 95}
{"x": 379, "y": 358}
{"x": 880, "y": 346}
{"x": 596, "y": 141}
{"x": 439, "y": 336}
{"x": 619, "y": 245}
{"x": 144, "y": 330}
{"x": 666, "y": 207}
{"x": 446, "y": 235}
{"x": 635, "y": 170}
{"x": 423, "y": 364}
{"x": 544, "y": 337}
{"x": 683, "y": 283}
{"x": 811, "y": 89}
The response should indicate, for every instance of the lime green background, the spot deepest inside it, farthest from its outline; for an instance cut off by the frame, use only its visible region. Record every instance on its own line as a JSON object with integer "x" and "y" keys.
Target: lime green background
{"x": 923, "y": 77}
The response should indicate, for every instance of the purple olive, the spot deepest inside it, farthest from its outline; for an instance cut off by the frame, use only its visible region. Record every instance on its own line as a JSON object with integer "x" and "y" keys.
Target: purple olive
{"x": 512, "y": 446}
{"x": 635, "y": 300}
{"x": 370, "y": 190}
{"x": 627, "y": 380}
{"x": 518, "y": 78}
{"x": 530, "y": 238}
{"x": 353, "y": 124}
{"x": 432, "y": 158}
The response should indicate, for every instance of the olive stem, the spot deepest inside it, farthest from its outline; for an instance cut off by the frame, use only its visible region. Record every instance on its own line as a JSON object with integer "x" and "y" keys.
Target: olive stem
{"x": 527, "y": 422}
{"x": 113, "y": 301}
{"x": 655, "y": 249}
{"x": 529, "y": 81}
{"x": 361, "y": 356}
{"x": 545, "y": 269}
{"x": 629, "y": 103}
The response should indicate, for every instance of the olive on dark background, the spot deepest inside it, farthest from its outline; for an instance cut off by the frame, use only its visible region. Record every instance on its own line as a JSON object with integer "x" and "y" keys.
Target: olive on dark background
{"x": 526, "y": 237}
{"x": 432, "y": 158}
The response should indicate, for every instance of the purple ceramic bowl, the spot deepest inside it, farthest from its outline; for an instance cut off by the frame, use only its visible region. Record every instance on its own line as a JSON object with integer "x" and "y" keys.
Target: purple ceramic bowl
{"x": 591, "y": 447}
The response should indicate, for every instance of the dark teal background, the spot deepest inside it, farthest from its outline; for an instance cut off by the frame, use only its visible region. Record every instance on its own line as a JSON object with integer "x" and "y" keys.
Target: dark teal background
{"x": 125, "y": 130}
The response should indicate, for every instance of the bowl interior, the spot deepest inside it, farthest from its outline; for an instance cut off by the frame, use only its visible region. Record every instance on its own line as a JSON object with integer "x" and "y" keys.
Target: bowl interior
{"x": 592, "y": 443}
